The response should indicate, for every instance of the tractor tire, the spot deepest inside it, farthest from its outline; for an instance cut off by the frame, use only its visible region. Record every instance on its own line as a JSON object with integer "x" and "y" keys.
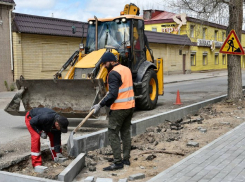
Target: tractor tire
{"x": 149, "y": 92}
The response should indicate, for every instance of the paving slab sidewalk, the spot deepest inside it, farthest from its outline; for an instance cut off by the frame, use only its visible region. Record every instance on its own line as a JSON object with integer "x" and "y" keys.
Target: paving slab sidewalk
{"x": 221, "y": 160}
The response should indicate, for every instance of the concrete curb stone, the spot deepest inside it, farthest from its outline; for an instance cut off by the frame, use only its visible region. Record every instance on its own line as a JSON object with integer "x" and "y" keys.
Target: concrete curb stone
{"x": 40, "y": 169}
{"x": 136, "y": 176}
{"x": 89, "y": 179}
{"x": 123, "y": 180}
{"x": 71, "y": 171}
{"x": 193, "y": 144}
{"x": 104, "y": 180}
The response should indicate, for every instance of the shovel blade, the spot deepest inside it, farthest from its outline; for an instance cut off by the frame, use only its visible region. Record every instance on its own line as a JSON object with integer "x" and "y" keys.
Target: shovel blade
{"x": 70, "y": 143}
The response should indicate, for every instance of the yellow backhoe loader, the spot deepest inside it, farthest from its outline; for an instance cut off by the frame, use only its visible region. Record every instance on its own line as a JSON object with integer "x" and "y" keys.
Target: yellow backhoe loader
{"x": 85, "y": 82}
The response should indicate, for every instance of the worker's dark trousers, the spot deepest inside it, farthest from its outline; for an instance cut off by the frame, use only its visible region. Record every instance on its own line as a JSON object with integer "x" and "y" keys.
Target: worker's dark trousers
{"x": 35, "y": 143}
{"x": 119, "y": 122}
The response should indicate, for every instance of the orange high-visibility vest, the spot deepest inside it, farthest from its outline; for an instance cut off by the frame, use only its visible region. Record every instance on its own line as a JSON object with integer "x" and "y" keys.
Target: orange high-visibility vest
{"x": 125, "y": 98}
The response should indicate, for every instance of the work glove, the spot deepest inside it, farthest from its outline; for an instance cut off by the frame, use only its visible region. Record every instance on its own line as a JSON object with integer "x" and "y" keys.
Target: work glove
{"x": 96, "y": 108}
{"x": 43, "y": 135}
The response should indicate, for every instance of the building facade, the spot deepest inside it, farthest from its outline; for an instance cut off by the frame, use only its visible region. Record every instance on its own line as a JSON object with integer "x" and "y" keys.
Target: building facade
{"x": 207, "y": 37}
{"x": 6, "y": 61}
{"x": 41, "y": 45}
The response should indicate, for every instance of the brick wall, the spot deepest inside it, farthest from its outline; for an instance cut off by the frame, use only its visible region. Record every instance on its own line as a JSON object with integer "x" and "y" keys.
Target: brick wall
{"x": 172, "y": 61}
{"x": 41, "y": 56}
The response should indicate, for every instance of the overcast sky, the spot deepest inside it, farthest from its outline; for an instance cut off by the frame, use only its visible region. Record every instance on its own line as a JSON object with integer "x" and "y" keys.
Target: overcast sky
{"x": 81, "y": 10}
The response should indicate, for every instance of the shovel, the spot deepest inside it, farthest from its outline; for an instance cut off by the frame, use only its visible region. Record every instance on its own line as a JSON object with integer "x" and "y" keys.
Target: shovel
{"x": 70, "y": 142}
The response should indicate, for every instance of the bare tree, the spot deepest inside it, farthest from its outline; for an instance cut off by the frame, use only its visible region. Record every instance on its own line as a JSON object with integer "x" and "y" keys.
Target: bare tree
{"x": 234, "y": 62}
{"x": 208, "y": 10}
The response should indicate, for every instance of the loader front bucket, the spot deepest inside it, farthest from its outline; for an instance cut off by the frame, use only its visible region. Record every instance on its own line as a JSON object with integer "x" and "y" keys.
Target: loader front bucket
{"x": 70, "y": 98}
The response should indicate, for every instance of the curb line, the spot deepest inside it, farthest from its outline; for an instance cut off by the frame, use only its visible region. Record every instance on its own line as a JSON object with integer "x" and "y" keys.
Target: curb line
{"x": 193, "y": 79}
{"x": 99, "y": 139}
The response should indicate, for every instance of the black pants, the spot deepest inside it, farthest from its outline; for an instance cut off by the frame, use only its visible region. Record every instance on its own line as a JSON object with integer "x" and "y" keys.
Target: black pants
{"x": 119, "y": 122}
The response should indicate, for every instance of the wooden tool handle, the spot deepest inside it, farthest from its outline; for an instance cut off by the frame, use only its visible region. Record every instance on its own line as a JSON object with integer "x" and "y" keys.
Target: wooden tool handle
{"x": 83, "y": 121}
{"x": 86, "y": 118}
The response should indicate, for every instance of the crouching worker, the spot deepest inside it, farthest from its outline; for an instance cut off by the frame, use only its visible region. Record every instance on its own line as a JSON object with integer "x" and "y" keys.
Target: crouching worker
{"x": 40, "y": 123}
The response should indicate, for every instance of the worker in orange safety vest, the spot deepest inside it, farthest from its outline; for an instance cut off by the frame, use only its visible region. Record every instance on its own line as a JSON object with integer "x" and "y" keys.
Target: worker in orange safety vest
{"x": 121, "y": 101}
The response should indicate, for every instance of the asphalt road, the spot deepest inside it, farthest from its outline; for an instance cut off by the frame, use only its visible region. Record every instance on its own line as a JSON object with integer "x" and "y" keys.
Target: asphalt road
{"x": 196, "y": 90}
{"x": 13, "y": 127}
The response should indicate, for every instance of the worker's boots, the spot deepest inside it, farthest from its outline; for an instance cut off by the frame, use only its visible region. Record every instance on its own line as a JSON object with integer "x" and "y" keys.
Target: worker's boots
{"x": 113, "y": 167}
{"x": 126, "y": 162}
{"x": 40, "y": 169}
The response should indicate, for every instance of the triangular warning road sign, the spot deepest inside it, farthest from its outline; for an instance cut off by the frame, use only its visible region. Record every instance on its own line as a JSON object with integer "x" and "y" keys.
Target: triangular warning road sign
{"x": 232, "y": 45}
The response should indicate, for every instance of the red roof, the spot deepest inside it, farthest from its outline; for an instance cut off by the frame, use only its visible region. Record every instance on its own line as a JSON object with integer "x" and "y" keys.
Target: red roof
{"x": 164, "y": 15}
{"x": 167, "y": 17}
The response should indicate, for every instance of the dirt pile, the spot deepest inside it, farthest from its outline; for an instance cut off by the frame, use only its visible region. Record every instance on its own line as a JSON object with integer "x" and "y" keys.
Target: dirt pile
{"x": 54, "y": 169}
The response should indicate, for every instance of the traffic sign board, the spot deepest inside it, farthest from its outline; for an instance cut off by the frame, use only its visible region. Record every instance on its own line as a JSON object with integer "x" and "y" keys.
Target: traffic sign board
{"x": 232, "y": 45}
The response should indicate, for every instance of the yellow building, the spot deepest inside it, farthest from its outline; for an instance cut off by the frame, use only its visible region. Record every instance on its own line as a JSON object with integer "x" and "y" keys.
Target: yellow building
{"x": 41, "y": 45}
{"x": 207, "y": 38}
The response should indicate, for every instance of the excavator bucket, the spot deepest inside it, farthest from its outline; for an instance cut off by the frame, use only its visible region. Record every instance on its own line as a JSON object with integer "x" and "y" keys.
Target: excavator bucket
{"x": 70, "y": 98}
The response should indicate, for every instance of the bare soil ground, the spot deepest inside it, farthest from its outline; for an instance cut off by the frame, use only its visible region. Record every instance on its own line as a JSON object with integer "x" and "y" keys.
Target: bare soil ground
{"x": 154, "y": 151}
{"x": 54, "y": 169}
{"x": 217, "y": 119}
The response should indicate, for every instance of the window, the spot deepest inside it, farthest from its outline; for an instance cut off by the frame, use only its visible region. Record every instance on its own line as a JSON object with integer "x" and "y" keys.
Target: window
{"x": 215, "y": 34}
{"x": 243, "y": 61}
{"x": 154, "y": 29}
{"x": 223, "y": 36}
{"x": 216, "y": 58}
{"x": 193, "y": 58}
{"x": 204, "y": 33}
{"x": 224, "y": 59}
{"x": 192, "y": 30}
{"x": 205, "y": 59}
{"x": 139, "y": 45}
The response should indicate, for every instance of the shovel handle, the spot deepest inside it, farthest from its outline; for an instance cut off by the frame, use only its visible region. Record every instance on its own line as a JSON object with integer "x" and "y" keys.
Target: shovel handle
{"x": 86, "y": 118}
{"x": 83, "y": 121}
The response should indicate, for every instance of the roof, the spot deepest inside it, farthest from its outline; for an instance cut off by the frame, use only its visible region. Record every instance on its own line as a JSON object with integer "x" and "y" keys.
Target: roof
{"x": 48, "y": 26}
{"x": 53, "y": 26}
{"x": 163, "y": 15}
{"x": 167, "y": 38}
{"x": 167, "y": 17}
{"x": 7, "y": 1}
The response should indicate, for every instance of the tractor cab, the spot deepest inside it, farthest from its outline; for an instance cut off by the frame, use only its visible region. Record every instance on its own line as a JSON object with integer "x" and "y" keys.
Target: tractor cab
{"x": 125, "y": 34}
